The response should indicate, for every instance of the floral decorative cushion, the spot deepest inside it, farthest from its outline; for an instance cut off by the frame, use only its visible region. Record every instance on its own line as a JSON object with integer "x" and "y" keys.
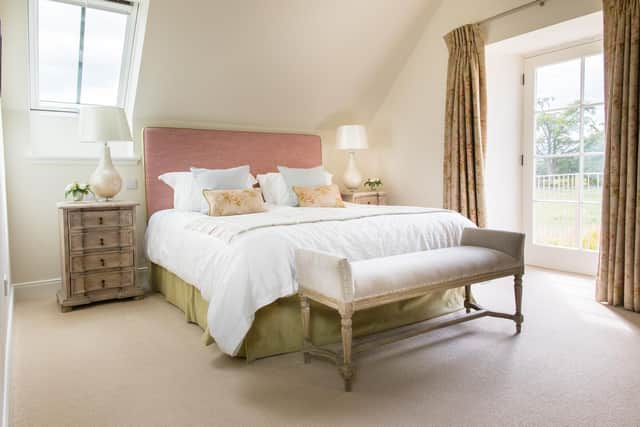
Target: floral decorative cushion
{"x": 324, "y": 196}
{"x": 234, "y": 202}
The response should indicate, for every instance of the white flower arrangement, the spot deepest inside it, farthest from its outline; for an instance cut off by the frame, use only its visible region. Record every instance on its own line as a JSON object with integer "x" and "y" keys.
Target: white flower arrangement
{"x": 77, "y": 191}
{"x": 373, "y": 184}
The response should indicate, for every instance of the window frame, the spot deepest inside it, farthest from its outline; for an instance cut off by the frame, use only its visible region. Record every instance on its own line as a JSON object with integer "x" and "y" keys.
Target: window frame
{"x": 574, "y": 259}
{"x": 127, "y": 52}
{"x": 581, "y": 154}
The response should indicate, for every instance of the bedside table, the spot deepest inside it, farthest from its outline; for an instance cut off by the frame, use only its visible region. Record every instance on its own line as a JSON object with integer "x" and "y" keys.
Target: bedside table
{"x": 366, "y": 197}
{"x": 97, "y": 244}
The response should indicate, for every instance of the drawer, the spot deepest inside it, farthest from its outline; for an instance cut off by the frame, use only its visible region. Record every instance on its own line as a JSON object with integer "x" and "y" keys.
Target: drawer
{"x": 101, "y": 261}
{"x": 367, "y": 200}
{"x": 100, "y": 239}
{"x": 89, "y": 219}
{"x": 92, "y": 282}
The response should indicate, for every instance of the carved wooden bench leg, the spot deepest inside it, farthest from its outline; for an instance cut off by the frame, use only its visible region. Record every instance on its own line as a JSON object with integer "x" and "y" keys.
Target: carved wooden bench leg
{"x": 306, "y": 328}
{"x": 467, "y": 298}
{"x": 346, "y": 369}
{"x": 517, "y": 286}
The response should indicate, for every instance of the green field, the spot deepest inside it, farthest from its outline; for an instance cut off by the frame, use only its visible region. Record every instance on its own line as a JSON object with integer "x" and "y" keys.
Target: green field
{"x": 556, "y": 223}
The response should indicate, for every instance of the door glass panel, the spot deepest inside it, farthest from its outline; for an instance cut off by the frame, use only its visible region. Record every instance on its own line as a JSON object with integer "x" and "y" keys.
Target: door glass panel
{"x": 557, "y": 178}
{"x": 594, "y": 129}
{"x": 555, "y": 224}
{"x": 568, "y": 153}
{"x": 592, "y": 179}
{"x": 557, "y": 85}
{"x": 591, "y": 215}
{"x": 558, "y": 132}
{"x": 103, "y": 46}
{"x": 58, "y": 41}
{"x": 593, "y": 79}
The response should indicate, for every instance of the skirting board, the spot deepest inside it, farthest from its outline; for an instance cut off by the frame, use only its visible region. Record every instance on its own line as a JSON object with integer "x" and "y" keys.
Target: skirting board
{"x": 142, "y": 274}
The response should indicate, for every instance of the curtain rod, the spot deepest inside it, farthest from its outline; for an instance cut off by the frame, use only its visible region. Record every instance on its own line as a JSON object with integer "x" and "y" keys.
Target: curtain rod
{"x": 512, "y": 11}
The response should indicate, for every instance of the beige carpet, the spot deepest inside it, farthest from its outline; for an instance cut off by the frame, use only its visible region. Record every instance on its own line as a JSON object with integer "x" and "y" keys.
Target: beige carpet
{"x": 138, "y": 363}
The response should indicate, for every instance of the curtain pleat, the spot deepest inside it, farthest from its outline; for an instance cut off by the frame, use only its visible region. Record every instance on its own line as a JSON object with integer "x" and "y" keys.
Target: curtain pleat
{"x": 465, "y": 124}
{"x": 618, "y": 281}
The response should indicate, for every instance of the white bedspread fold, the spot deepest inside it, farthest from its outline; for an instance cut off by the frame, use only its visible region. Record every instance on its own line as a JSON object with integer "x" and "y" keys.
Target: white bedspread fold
{"x": 245, "y": 262}
{"x": 229, "y": 227}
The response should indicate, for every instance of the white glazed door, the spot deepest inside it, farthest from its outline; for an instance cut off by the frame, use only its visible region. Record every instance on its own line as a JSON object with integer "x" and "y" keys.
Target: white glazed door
{"x": 564, "y": 157}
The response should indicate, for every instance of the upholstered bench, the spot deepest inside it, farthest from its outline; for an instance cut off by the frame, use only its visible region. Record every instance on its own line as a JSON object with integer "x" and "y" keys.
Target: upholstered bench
{"x": 351, "y": 286}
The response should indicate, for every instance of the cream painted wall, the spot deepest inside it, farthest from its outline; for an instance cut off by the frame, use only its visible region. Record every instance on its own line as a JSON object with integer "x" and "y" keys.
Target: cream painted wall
{"x": 408, "y": 127}
{"x": 34, "y": 185}
{"x": 504, "y": 134}
{"x": 276, "y": 68}
{"x": 292, "y": 66}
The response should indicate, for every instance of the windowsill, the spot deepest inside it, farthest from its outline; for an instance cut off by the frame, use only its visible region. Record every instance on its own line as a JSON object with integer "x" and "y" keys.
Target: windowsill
{"x": 52, "y": 160}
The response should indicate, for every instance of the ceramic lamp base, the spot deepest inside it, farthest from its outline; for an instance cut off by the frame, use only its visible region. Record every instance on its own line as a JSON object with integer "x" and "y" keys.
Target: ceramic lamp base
{"x": 352, "y": 177}
{"x": 105, "y": 181}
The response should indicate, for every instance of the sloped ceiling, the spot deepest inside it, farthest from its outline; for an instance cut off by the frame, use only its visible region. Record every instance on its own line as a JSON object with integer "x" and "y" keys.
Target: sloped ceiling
{"x": 286, "y": 64}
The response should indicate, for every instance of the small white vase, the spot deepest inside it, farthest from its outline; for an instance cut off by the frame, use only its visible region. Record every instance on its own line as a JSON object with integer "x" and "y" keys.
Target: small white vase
{"x": 105, "y": 181}
{"x": 77, "y": 197}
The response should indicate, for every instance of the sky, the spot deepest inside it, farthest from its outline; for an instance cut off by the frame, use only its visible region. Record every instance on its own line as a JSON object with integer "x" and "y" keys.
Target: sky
{"x": 59, "y": 42}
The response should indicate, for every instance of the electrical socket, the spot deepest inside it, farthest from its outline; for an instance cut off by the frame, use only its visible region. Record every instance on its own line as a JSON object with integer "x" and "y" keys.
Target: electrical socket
{"x": 131, "y": 184}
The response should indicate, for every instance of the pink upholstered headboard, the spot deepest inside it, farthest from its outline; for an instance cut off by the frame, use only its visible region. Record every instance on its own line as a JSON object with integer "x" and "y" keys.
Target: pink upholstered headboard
{"x": 175, "y": 149}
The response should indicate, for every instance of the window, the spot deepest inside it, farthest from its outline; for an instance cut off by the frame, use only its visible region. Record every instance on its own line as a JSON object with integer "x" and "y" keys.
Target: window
{"x": 80, "y": 52}
{"x": 568, "y": 152}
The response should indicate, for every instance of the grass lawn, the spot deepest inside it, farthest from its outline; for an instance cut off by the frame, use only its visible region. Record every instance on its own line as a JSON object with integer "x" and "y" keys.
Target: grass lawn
{"x": 556, "y": 223}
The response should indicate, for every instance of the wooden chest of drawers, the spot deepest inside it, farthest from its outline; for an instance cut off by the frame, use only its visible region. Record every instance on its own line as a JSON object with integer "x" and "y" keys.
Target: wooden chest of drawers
{"x": 365, "y": 197}
{"x": 97, "y": 243}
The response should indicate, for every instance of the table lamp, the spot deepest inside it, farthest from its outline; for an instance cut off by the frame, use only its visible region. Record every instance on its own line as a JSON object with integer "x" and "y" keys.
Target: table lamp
{"x": 351, "y": 138}
{"x": 104, "y": 124}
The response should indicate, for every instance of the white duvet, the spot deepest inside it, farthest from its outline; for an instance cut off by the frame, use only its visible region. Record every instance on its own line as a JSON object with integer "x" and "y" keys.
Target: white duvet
{"x": 245, "y": 262}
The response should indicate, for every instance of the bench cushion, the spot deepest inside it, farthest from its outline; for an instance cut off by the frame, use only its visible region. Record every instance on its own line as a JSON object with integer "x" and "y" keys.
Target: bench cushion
{"x": 379, "y": 276}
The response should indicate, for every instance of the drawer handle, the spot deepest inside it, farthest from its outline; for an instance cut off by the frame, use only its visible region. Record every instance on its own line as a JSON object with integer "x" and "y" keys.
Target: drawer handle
{"x": 102, "y": 261}
{"x": 103, "y": 283}
{"x": 101, "y": 241}
{"x": 100, "y": 220}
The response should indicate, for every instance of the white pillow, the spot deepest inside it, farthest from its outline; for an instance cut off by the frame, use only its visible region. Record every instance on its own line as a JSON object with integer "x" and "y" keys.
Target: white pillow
{"x": 274, "y": 188}
{"x": 250, "y": 178}
{"x": 238, "y": 178}
{"x": 186, "y": 196}
{"x": 312, "y": 177}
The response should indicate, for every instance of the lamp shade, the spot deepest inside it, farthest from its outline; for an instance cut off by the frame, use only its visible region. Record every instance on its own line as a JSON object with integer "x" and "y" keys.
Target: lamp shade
{"x": 351, "y": 137}
{"x": 102, "y": 124}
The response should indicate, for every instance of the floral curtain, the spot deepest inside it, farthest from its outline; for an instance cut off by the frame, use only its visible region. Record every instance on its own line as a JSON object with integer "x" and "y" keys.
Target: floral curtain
{"x": 618, "y": 280}
{"x": 465, "y": 124}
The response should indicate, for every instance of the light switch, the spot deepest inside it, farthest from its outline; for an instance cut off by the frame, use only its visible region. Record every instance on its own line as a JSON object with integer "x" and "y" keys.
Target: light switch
{"x": 131, "y": 184}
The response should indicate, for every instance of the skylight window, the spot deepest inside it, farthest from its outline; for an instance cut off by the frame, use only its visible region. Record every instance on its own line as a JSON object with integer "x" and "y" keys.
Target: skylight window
{"x": 80, "y": 52}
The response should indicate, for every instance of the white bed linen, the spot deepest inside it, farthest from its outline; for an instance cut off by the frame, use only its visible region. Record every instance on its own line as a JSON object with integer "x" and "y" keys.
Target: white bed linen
{"x": 238, "y": 276}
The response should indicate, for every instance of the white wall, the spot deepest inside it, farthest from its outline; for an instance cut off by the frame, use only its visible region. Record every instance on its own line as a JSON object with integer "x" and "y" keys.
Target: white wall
{"x": 291, "y": 66}
{"x": 282, "y": 65}
{"x": 35, "y": 185}
{"x": 6, "y": 291}
{"x": 504, "y": 141}
{"x": 408, "y": 127}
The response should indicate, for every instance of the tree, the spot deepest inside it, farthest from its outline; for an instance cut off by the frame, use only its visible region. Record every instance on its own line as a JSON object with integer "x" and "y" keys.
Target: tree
{"x": 558, "y": 132}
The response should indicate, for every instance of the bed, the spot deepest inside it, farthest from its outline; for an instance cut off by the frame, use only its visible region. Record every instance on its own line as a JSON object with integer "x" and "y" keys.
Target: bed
{"x": 235, "y": 276}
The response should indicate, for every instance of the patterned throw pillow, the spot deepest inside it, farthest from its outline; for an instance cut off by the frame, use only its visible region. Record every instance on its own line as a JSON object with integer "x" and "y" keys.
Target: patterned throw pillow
{"x": 324, "y": 196}
{"x": 234, "y": 202}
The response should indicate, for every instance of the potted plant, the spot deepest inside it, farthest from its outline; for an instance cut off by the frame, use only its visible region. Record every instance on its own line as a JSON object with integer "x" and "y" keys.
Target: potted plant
{"x": 373, "y": 184}
{"x": 76, "y": 191}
